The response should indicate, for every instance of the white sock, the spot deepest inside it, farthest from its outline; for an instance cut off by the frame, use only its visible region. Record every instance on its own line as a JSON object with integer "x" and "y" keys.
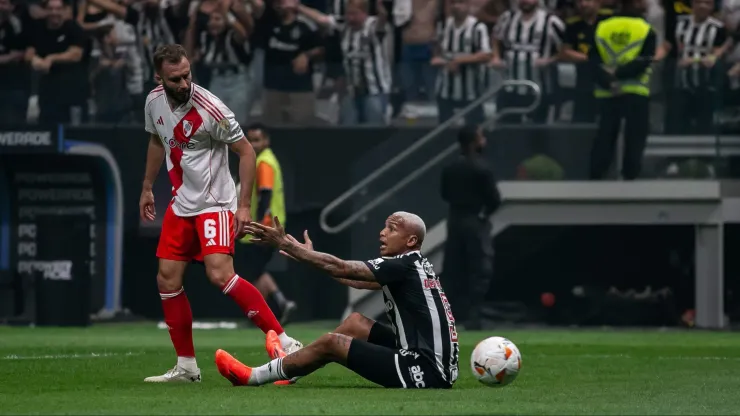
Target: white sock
{"x": 268, "y": 373}
{"x": 187, "y": 363}
{"x": 285, "y": 340}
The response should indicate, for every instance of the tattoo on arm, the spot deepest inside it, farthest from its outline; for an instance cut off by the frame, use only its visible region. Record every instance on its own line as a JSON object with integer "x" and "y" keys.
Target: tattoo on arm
{"x": 350, "y": 270}
{"x": 341, "y": 340}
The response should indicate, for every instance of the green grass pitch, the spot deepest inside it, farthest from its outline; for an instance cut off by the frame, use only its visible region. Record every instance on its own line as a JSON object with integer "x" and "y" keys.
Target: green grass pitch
{"x": 99, "y": 370}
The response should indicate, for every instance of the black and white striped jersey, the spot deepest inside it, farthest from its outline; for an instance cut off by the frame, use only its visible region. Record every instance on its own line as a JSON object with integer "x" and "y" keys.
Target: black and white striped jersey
{"x": 418, "y": 310}
{"x": 338, "y": 8}
{"x": 525, "y": 42}
{"x": 467, "y": 83}
{"x": 153, "y": 29}
{"x": 224, "y": 51}
{"x": 696, "y": 40}
{"x": 366, "y": 63}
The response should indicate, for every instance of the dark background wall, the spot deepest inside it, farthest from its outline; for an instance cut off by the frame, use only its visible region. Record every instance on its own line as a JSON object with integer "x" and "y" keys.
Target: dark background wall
{"x": 320, "y": 164}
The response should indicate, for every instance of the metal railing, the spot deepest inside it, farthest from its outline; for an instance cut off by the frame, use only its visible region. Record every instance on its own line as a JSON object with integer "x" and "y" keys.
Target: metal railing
{"x": 360, "y": 186}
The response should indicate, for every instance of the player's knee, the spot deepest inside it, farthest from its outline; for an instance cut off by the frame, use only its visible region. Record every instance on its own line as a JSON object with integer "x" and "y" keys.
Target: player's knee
{"x": 333, "y": 346}
{"x": 219, "y": 276}
{"x": 355, "y": 318}
{"x": 168, "y": 281}
{"x": 355, "y": 325}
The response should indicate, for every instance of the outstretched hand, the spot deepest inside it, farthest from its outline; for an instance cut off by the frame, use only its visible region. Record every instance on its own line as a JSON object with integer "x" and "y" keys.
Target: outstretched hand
{"x": 266, "y": 235}
{"x": 307, "y": 244}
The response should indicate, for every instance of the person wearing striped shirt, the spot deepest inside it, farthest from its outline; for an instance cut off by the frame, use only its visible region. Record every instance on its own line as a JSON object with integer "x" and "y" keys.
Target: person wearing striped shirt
{"x": 367, "y": 70}
{"x": 700, "y": 40}
{"x": 418, "y": 349}
{"x": 225, "y": 53}
{"x": 464, "y": 48}
{"x": 525, "y": 45}
{"x": 155, "y": 25}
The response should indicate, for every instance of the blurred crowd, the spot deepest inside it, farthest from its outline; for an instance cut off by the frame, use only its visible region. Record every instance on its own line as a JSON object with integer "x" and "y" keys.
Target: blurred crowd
{"x": 351, "y": 62}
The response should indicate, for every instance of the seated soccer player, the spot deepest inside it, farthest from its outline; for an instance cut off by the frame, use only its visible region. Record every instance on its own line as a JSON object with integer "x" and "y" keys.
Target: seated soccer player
{"x": 418, "y": 350}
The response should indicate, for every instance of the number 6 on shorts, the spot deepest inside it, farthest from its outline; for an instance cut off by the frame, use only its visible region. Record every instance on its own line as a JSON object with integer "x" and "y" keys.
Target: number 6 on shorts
{"x": 209, "y": 228}
{"x": 216, "y": 232}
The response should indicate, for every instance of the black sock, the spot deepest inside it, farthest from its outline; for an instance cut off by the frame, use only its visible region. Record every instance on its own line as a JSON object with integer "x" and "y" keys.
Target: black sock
{"x": 279, "y": 298}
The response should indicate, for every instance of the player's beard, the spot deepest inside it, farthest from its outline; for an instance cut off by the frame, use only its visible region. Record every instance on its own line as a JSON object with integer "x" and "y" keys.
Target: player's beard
{"x": 176, "y": 96}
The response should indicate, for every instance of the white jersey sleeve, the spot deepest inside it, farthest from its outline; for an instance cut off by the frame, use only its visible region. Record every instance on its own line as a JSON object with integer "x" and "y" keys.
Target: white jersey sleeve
{"x": 148, "y": 114}
{"x": 222, "y": 124}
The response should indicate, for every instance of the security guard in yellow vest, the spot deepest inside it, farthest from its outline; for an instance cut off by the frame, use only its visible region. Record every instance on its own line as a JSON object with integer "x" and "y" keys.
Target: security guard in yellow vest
{"x": 268, "y": 201}
{"x": 621, "y": 56}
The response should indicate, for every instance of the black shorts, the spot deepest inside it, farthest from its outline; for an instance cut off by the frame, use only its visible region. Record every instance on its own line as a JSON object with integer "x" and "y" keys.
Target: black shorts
{"x": 250, "y": 260}
{"x": 380, "y": 361}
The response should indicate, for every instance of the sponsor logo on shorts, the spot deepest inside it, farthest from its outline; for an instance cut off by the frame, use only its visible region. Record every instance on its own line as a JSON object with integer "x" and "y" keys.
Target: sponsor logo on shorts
{"x": 417, "y": 376}
{"x": 407, "y": 353}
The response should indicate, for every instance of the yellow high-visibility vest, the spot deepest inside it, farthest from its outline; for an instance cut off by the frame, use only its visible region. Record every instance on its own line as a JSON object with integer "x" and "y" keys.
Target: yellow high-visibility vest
{"x": 277, "y": 202}
{"x": 619, "y": 40}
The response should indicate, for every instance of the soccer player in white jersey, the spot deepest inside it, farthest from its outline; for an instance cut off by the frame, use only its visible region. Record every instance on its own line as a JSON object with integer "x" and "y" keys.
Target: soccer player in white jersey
{"x": 193, "y": 130}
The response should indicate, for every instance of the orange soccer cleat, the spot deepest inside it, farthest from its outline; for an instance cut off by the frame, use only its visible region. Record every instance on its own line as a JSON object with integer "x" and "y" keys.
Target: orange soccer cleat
{"x": 275, "y": 350}
{"x": 232, "y": 369}
{"x": 273, "y": 346}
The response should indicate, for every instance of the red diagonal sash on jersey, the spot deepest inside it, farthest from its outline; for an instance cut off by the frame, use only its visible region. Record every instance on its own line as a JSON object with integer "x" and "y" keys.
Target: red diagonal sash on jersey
{"x": 181, "y": 136}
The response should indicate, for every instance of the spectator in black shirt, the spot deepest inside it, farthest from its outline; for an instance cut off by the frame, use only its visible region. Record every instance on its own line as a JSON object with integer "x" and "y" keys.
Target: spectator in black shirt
{"x": 55, "y": 51}
{"x": 579, "y": 34}
{"x": 13, "y": 78}
{"x": 469, "y": 187}
{"x": 292, "y": 44}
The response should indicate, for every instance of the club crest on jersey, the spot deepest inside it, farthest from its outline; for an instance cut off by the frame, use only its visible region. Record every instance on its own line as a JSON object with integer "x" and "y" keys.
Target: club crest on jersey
{"x": 187, "y": 128}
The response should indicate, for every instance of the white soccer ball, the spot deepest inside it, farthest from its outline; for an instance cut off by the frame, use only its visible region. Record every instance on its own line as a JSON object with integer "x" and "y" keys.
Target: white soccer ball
{"x": 496, "y": 361}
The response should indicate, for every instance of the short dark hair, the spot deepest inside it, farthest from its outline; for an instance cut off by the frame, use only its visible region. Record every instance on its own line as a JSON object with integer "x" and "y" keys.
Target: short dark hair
{"x": 467, "y": 135}
{"x": 258, "y": 126}
{"x": 172, "y": 54}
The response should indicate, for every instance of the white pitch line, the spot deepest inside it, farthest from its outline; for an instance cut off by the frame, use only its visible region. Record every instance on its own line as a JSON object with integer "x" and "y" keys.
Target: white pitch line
{"x": 627, "y": 356}
{"x": 69, "y": 356}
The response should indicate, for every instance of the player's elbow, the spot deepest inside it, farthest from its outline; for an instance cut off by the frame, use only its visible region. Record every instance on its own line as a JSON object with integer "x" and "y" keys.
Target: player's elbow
{"x": 242, "y": 148}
